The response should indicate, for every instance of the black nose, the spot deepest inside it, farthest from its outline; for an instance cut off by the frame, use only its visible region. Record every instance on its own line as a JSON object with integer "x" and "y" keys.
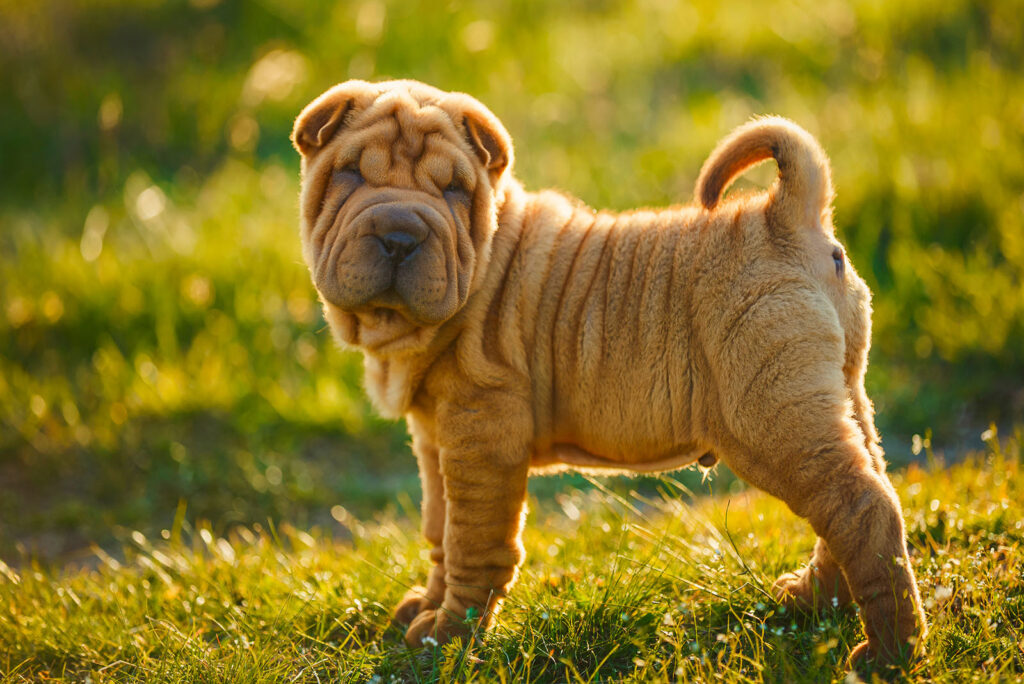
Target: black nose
{"x": 398, "y": 244}
{"x": 399, "y": 229}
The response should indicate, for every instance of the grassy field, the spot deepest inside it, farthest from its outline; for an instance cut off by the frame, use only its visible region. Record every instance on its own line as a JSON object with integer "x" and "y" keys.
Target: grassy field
{"x": 615, "y": 588}
{"x": 164, "y": 365}
{"x": 160, "y": 341}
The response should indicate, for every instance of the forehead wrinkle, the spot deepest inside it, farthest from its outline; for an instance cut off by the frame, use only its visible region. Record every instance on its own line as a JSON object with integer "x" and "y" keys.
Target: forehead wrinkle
{"x": 418, "y": 111}
{"x": 445, "y": 161}
{"x": 433, "y": 168}
{"x": 416, "y": 125}
{"x": 463, "y": 168}
{"x": 401, "y": 175}
{"x": 375, "y": 162}
{"x": 383, "y": 107}
{"x": 354, "y": 140}
{"x": 432, "y": 119}
{"x": 397, "y": 140}
{"x": 417, "y": 120}
{"x": 412, "y": 141}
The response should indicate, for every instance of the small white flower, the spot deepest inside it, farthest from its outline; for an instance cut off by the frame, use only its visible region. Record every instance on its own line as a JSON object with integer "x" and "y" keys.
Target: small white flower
{"x": 544, "y": 615}
{"x": 835, "y": 601}
{"x": 429, "y": 641}
{"x": 943, "y": 593}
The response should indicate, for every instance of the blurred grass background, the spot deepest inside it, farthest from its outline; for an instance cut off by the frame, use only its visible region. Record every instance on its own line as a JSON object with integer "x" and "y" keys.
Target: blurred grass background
{"x": 162, "y": 350}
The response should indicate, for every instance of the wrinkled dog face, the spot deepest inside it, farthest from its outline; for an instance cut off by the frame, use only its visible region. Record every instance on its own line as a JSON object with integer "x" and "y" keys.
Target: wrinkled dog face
{"x": 398, "y": 190}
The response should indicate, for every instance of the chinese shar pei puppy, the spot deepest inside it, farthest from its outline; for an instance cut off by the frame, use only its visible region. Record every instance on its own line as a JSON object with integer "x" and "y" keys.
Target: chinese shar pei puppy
{"x": 521, "y": 331}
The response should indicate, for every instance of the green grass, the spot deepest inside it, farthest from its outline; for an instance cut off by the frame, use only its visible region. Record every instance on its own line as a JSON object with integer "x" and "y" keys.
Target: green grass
{"x": 159, "y": 337}
{"x": 164, "y": 364}
{"x": 615, "y": 588}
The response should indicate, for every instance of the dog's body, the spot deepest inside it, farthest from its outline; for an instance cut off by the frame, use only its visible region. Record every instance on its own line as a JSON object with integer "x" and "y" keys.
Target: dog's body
{"x": 519, "y": 331}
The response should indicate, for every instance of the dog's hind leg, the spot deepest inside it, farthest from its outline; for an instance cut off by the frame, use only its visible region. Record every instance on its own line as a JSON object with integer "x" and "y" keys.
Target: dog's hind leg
{"x": 821, "y": 584}
{"x": 864, "y": 414}
{"x": 831, "y": 481}
{"x": 790, "y": 430}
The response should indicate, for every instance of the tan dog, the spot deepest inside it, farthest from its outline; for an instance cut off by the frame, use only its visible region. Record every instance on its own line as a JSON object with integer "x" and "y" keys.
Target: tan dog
{"x": 519, "y": 331}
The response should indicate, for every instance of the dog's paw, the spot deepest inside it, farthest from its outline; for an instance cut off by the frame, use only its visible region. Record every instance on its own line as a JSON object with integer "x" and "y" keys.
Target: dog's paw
{"x": 412, "y": 604}
{"x": 436, "y": 627}
{"x": 805, "y": 592}
{"x": 861, "y": 657}
{"x": 867, "y": 659}
{"x": 861, "y": 662}
{"x": 793, "y": 590}
{"x": 866, "y": 662}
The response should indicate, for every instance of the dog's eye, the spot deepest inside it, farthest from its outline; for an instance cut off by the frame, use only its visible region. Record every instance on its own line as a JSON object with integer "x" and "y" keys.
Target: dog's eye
{"x": 838, "y": 260}
{"x": 347, "y": 179}
{"x": 349, "y": 174}
{"x": 354, "y": 170}
{"x": 455, "y": 186}
{"x": 343, "y": 183}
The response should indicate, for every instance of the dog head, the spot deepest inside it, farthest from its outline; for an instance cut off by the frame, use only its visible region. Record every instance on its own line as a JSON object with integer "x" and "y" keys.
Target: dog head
{"x": 400, "y": 183}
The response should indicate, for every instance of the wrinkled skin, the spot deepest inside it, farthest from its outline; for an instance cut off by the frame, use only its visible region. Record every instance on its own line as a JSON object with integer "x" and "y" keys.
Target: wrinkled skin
{"x": 521, "y": 332}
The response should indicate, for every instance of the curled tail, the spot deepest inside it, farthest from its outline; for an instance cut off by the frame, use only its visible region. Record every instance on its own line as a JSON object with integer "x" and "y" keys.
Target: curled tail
{"x": 803, "y": 192}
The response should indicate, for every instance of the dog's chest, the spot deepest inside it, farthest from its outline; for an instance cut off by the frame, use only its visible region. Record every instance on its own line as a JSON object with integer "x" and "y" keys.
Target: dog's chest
{"x": 389, "y": 385}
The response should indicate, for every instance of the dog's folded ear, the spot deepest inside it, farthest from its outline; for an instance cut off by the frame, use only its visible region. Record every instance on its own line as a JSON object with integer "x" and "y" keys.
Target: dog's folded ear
{"x": 489, "y": 140}
{"x": 320, "y": 120}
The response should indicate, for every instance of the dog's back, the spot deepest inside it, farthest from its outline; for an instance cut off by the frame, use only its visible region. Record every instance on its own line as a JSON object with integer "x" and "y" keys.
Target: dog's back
{"x": 645, "y": 334}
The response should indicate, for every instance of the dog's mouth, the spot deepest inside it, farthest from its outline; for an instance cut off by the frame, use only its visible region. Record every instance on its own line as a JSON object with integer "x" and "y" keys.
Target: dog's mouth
{"x": 375, "y": 278}
{"x": 391, "y": 271}
{"x": 383, "y": 315}
{"x": 386, "y": 309}
{"x": 381, "y": 328}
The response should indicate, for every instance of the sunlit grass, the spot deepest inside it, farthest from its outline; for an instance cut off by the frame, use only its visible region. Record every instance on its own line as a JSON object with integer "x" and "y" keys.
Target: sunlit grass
{"x": 164, "y": 365}
{"x": 625, "y": 588}
{"x": 159, "y": 337}
{"x": 177, "y": 354}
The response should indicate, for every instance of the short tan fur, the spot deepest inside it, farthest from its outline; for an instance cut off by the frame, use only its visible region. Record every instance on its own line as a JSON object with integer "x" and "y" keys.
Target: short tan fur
{"x": 520, "y": 331}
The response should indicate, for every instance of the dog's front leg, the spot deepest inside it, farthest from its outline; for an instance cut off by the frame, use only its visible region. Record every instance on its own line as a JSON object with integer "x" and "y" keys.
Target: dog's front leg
{"x": 418, "y": 599}
{"x": 485, "y": 492}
